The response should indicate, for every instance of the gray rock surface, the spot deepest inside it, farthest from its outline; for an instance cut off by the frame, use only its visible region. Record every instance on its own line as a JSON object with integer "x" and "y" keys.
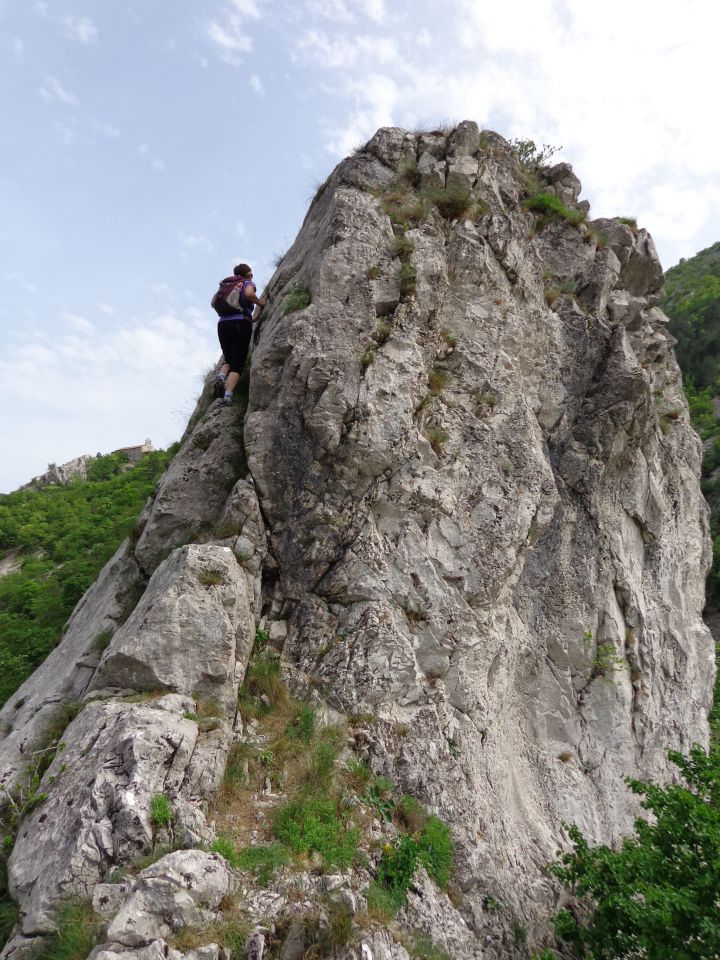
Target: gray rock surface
{"x": 472, "y": 520}
{"x": 191, "y": 632}
{"x": 513, "y": 566}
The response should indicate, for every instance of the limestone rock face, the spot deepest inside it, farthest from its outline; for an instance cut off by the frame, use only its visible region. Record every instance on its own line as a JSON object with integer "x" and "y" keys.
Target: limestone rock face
{"x": 207, "y": 459}
{"x": 486, "y": 515}
{"x": 191, "y": 632}
{"x": 465, "y": 511}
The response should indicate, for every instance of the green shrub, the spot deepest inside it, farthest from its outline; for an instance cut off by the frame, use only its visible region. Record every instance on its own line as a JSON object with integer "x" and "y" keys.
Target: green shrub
{"x": 62, "y": 536}
{"x": 311, "y": 823}
{"x": 297, "y": 299}
{"x": 161, "y": 813}
{"x": 530, "y": 155}
{"x": 656, "y": 896}
{"x": 397, "y": 867}
{"x": 549, "y": 207}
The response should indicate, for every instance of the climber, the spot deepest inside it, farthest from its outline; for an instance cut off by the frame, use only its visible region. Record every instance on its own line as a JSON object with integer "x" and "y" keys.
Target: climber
{"x": 234, "y": 305}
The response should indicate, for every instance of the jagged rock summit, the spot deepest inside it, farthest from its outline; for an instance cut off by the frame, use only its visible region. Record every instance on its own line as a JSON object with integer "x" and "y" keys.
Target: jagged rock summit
{"x": 466, "y": 512}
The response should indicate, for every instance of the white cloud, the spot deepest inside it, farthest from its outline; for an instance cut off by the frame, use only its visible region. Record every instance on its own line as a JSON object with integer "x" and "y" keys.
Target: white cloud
{"x": 333, "y": 51}
{"x": 617, "y": 85}
{"x": 18, "y": 47}
{"x": 229, "y": 33}
{"x": 102, "y": 364}
{"x": 158, "y": 165}
{"x": 64, "y": 133}
{"x": 195, "y": 242}
{"x": 331, "y": 10}
{"x": 77, "y": 323}
{"x": 107, "y": 130}
{"x": 256, "y": 85}
{"x": 81, "y": 29}
{"x": 240, "y": 228}
{"x": 374, "y": 9}
{"x": 106, "y": 308}
{"x": 54, "y": 92}
{"x": 246, "y": 8}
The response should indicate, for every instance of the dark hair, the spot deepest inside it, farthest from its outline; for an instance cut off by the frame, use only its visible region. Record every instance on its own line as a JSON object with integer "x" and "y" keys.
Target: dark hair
{"x": 242, "y": 270}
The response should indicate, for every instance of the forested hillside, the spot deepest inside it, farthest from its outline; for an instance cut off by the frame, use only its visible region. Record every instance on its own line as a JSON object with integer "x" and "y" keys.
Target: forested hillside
{"x": 53, "y": 543}
{"x": 692, "y": 301}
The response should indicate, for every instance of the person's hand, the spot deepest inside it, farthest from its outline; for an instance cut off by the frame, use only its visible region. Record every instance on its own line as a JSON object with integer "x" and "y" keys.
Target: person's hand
{"x": 263, "y": 301}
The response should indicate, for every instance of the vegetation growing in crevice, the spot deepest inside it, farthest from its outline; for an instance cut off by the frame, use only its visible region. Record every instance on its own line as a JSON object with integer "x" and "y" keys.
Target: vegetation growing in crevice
{"x": 323, "y": 809}
{"x": 549, "y": 208}
{"x": 298, "y": 299}
{"x": 78, "y": 932}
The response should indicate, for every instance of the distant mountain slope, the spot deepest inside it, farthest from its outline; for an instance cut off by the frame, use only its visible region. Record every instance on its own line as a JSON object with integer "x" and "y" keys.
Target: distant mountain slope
{"x": 692, "y": 301}
{"x": 53, "y": 543}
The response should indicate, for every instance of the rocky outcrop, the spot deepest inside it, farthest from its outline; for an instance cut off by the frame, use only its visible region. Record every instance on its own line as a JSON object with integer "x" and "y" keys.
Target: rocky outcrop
{"x": 72, "y": 470}
{"x": 491, "y": 532}
{"x": 469, "y": 517}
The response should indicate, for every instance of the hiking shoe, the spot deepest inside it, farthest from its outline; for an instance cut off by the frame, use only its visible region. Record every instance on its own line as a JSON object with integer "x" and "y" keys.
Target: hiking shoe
{"x": 219, "y": 388}
{"x": 227, "y": 400}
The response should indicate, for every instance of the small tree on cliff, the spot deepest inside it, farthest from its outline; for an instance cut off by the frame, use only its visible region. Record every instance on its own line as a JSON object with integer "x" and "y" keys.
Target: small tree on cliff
{"x": 658, "y": 897}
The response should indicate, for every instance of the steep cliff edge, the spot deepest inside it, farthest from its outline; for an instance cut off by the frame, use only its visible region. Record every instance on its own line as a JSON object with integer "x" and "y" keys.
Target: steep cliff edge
{"x": 472, "y": 523}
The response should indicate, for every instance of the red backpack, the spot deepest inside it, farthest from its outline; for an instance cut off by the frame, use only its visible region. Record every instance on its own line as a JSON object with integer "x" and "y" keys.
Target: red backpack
{"x": 230, "y": 298}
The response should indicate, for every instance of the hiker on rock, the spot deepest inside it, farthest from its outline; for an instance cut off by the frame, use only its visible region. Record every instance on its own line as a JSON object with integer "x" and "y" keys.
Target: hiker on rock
{"x": 234, "y": 303}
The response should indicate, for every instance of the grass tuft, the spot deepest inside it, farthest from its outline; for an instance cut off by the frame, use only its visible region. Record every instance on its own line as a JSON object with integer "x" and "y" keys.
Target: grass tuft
{"x": 76, "y": 935}
{"x": 549, "y": 208}
{"x": 311, "y": 823}
{"x": 452, "y": 202}
{"x": 297, "y": 299}
{"x": 408, "y": 279}
{"x": 161, "y": 812}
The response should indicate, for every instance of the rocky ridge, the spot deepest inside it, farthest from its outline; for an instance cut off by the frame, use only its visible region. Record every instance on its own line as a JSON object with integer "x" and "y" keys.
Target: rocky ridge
{"x": 468, "y": 522}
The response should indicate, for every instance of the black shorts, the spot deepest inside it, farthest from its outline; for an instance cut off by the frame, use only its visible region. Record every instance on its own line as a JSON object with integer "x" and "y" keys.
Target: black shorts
{"x": 234, "y": 337}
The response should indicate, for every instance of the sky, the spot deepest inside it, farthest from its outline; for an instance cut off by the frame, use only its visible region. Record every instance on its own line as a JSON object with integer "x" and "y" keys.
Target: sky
{"x": 149, "y": 146}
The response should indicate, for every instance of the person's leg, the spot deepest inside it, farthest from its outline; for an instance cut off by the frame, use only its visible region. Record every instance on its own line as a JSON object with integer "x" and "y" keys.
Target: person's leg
{"x": 231, "y": 382}
{"x": 241, "y": 344}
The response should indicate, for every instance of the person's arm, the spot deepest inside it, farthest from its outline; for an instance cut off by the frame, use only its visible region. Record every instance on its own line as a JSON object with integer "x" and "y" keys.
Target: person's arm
{"x": 251, "y": 295}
